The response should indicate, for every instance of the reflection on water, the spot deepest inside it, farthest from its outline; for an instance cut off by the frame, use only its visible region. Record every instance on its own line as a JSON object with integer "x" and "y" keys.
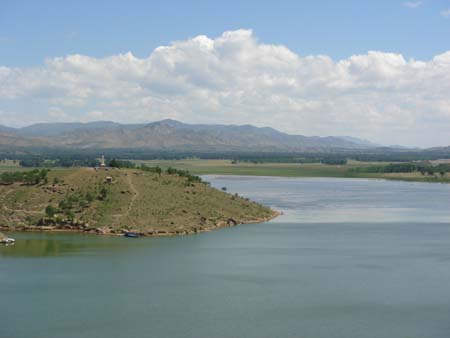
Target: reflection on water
{"x": 32, "y": 244}
{"x": 39, "y": 247}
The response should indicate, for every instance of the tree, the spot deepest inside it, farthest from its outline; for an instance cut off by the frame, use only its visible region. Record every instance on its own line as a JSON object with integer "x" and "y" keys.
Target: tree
{"x": 43, "y": 174}
{"x": 171, "y": 171}
{"x": 69, "y": 214}
{"x": 7, "y": 178}
{"x": 114, "y": 163}
{"x": 50, "y": 211}
{"x": 65, "y": 204}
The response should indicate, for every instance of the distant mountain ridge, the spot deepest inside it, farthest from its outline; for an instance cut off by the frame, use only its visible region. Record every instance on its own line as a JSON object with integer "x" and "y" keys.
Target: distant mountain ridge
{"x": 171, "y": 135}
{"x": 4, "y": 129}
{"x": 54, "y": 129}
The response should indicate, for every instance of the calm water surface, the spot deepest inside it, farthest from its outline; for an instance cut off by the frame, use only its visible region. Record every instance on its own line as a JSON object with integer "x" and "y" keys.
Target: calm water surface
{"x": 348, "y": 259}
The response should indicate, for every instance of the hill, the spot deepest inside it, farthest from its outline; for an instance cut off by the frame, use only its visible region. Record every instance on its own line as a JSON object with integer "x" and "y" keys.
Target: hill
{"x": 170, "y": 135}
{"x": 85, "y": 199}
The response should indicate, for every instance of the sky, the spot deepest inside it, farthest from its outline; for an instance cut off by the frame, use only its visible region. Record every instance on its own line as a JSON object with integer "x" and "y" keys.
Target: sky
{"x": 378, "y": 70}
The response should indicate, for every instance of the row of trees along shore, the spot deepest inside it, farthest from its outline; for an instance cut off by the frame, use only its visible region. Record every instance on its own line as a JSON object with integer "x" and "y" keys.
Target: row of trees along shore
{"x": 171, "y": 171}
{"x": 423, "y": 168}
{"x": 31, "y": 177}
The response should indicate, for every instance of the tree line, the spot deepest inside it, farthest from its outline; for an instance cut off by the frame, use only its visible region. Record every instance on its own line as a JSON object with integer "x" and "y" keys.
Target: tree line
{"x": 170, "y": 171}
{"x": 59, "y": 162}
{"x": 31, "y": 177}
{"x": 423, "y": 168}
{"x": 36, "y": 157}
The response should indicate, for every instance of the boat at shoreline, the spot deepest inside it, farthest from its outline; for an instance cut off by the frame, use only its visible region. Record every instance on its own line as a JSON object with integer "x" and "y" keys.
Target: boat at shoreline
{"x": 131, "y": 234}
{"x": 7, "y": 240}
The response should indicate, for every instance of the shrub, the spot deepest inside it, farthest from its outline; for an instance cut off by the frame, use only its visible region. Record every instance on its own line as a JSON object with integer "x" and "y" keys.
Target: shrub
{"x": 50, "y": 211}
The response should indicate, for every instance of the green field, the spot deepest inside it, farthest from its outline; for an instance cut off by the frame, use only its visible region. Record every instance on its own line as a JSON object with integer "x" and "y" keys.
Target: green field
{"x": 226, "y": 167}
{"x": 10, "y": 165}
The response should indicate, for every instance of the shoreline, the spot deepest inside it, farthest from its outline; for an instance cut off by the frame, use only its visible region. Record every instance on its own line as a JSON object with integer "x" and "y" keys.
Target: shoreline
{"x": 153, "y": 233}
{"x": 385, "y": 178}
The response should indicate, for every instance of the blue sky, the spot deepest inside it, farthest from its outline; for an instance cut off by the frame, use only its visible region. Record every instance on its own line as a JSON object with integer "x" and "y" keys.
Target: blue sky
{"x": 378, "y": 70}
{"x": 31, "y": 31}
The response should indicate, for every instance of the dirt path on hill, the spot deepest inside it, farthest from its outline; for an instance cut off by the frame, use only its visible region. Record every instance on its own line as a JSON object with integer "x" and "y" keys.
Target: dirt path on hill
{"x": 134, "y": 191}
{"x": 119, "y": 217}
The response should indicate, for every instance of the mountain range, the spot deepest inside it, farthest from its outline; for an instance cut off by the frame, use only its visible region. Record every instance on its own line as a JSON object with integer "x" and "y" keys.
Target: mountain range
{"x": 170, "y": 135}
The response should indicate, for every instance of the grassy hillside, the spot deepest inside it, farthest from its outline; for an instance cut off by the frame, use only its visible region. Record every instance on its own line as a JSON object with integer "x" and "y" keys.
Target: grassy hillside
{"x": 83, "y": 199}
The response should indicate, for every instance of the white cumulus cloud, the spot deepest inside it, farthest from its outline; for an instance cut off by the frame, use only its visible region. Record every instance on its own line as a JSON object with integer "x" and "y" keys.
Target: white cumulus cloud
{"x": 235, "y": 78}
{"x": 412, "y": 4}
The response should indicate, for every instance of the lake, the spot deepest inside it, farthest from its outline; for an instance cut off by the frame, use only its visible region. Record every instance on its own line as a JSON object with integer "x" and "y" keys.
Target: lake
{"x": 349, "y": 258}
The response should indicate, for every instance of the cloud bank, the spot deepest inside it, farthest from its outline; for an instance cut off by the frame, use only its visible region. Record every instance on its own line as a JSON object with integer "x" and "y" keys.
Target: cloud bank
{"x": 235, "y": 78}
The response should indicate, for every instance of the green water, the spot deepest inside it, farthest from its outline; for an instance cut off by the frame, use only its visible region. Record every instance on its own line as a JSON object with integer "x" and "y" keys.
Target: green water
{"x": 349, "y": 259}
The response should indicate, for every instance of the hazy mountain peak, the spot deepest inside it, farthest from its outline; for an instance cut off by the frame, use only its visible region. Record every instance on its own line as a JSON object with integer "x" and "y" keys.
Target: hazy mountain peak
{"x": 359, "y": 141}
{"x": 167, "y": 122}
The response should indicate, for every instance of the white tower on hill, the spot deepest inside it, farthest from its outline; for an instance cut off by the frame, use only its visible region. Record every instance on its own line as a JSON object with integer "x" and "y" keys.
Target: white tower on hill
{"x": 102, "y": 162}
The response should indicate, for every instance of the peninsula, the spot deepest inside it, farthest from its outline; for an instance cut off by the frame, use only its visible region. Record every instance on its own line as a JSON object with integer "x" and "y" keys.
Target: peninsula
{"x": 117, "y": 200}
